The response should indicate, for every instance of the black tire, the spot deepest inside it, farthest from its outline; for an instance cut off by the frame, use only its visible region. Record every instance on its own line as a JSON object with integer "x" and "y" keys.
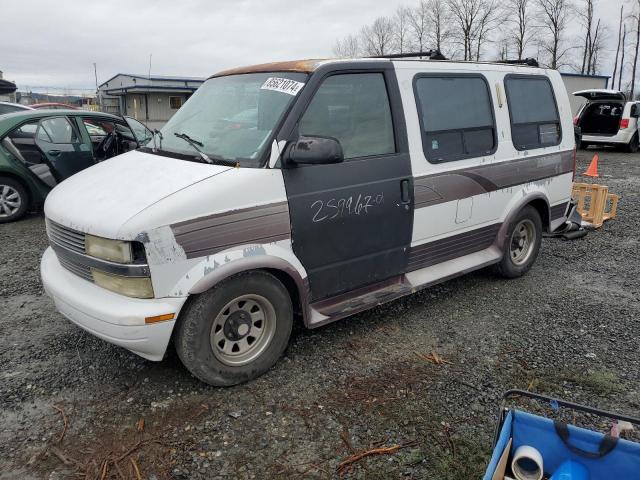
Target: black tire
{"x": 193, "y": 337}
{"x": 579, "y": 145}
{"x": 510, "y": 267}
{"x": 7, "y": 213}
{"x": 632, "y": 146}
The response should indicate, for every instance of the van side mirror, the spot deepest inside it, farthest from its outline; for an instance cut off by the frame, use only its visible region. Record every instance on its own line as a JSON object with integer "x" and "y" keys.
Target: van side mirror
{"x": 314, "y": 151}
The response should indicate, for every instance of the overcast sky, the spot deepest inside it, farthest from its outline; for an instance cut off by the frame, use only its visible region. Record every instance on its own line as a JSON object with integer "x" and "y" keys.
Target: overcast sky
{"x": 54, "y": 44}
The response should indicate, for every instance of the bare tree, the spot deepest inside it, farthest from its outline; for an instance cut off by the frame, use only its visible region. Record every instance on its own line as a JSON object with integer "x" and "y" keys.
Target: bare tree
{"x": 635, "y": 56}
{"x": 486, "y": 22}
{"x": 419, "y": 24}
{"x": 615, "y": 63}
{"x": 467, "y": 15}
{"x": 401, "y": 28}
{"x": 586, "y": 16}
{"x": 348, "y": 47}
{"x": 504, "y": 47}
{"x": 554, "y": 16}
{"x": 439, "y": 23}
{"x": 378, "y": 38}
{"x": 521, "y": 31}
{"x": 596, "y": 45}
{"x": 624, "y": 42}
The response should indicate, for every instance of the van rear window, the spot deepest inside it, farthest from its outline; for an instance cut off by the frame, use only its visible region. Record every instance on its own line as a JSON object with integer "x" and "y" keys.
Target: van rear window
{"x": 456, "y": 117}
{"x": 535, "y": 122}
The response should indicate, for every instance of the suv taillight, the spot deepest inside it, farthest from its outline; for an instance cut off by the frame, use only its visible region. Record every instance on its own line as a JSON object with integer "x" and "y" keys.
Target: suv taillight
{"x": 624, "y": 123}
{"x": 576, "y": 120}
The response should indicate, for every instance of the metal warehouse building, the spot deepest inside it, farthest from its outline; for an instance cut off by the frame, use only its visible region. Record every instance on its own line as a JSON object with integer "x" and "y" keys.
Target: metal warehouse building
{"x": 577, "y": 81}
{"x": 152, "y": 100}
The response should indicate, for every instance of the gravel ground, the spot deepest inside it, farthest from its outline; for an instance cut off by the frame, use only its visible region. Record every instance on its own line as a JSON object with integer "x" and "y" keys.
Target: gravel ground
{"x": 70, "y": 403}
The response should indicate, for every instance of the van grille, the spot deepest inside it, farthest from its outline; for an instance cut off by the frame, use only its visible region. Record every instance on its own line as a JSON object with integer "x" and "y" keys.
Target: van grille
{"x": 65, "y": 237}
{"x": 63, "y": 240}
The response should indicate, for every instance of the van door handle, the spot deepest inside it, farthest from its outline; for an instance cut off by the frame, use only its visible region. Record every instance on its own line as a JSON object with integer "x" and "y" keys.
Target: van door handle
{"x": 54, "y": 153}
{"x": 404, "y": 191}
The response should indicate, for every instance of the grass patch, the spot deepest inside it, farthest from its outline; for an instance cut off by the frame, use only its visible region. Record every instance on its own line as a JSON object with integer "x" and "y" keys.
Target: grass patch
{"x": 599, "y": 382}
{"x": 470, "y": 461}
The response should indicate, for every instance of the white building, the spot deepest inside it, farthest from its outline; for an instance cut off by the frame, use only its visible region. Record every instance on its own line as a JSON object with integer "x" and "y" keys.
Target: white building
{"x": 152, "y": 100}
{"x": 578, "y": 81}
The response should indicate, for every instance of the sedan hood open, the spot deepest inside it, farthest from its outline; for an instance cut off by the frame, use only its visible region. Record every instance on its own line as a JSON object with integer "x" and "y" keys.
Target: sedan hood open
{"x": 100, "y": 199}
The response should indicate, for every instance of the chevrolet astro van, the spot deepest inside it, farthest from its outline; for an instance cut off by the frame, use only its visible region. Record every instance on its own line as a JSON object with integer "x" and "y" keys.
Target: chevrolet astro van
{"x": 308, "y": 190}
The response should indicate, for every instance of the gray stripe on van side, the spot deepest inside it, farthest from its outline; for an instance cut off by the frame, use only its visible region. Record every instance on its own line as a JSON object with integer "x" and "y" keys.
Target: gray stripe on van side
{"x": 455, "y": 185}
{"x": 451, "y": 247}
{"x": 214, "y": 233}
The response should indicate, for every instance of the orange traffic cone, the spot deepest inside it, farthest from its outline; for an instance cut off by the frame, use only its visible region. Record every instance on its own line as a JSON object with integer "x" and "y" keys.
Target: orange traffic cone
{"x": 592, "y": 171}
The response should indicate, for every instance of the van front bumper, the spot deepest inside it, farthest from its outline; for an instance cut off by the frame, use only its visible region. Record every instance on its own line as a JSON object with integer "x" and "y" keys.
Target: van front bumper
{"x": 114, "y": 318}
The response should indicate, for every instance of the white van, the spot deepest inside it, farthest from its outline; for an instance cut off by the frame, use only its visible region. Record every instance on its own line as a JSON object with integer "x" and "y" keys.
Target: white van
{"x": 311, "y": 190}
{"x": 607, "y": 119}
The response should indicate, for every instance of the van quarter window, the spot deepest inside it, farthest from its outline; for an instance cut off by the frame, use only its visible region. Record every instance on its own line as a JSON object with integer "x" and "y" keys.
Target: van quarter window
{"x": 354, "y": 109}
{"x": 534, "y": 115}
{"x": 456, "y": 117}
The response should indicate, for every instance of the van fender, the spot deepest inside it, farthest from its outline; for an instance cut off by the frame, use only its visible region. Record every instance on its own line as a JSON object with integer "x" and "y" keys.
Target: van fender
{"x": 215, "y": 268}
{"x": 535, "y": 196}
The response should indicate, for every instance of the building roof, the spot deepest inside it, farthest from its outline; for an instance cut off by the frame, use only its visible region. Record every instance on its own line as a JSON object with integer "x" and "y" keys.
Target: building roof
{"x": 583, "y": 75}
{"x": 156, "y": 78}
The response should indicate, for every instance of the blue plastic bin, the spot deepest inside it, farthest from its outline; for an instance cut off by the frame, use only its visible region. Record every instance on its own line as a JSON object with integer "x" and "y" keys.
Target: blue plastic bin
{"x": 605, "y": 457}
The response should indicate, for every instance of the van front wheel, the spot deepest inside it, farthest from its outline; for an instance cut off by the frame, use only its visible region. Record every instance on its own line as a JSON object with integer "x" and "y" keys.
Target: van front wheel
{"x": 522, "y": 245}
{"x": 236, "y": 331}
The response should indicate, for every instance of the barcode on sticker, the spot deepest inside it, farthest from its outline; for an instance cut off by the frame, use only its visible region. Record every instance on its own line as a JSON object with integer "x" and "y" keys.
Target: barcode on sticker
{"x": 283, "y": 85}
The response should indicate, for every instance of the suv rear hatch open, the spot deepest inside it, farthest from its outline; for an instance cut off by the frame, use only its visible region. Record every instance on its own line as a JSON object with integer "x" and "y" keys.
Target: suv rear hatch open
{"x": 602, "y": 113}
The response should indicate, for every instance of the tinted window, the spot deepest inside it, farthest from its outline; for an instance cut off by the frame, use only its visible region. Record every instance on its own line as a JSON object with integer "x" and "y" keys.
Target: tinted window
{"x": 57, "y": 130}
{"x": 456, "y": 117}
{"x": 534, "y": 115}
{"x": 354, "y": 109}
{"x": 9, "y": 109}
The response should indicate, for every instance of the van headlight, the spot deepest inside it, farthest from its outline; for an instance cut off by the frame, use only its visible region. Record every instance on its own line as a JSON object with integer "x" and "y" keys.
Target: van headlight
{"x": 112, "y": 250}
{"x": 137, "y": 287}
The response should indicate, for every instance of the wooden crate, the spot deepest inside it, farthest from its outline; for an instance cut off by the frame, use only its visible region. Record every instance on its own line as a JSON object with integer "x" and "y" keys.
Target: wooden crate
{"x": 595, "y": 203}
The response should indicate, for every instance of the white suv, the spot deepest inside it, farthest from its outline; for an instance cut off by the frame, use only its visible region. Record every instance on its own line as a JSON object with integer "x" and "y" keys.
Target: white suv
{"x": 607, "y": 119}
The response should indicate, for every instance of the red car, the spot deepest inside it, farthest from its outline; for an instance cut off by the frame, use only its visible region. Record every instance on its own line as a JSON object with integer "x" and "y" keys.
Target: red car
{"x": 54, "y": 106}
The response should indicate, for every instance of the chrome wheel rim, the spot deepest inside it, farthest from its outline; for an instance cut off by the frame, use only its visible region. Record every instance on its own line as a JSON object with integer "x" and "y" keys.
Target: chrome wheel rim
{"x": 243, "y": 329}
{"x": 10, "y": 201}
{"x": 522, "y": 242}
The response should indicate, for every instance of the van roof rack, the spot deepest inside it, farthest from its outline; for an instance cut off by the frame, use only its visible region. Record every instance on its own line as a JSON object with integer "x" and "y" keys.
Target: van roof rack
{"x": 430, "y": 54}
{"x": 530, "y": 62}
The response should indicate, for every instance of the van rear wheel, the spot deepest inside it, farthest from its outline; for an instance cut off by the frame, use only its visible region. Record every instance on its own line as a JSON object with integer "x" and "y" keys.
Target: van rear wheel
{"x": 633, "y": 146}
{"x": 524, "y": 238}
{"x": 236, "y": 331}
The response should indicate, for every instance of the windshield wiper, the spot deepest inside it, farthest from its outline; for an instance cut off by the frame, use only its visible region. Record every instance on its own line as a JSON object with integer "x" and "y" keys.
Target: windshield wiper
{"x": 195, "y": 144}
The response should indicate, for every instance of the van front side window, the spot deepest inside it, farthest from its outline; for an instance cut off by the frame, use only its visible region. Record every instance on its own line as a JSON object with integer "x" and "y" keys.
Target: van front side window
{"x": 232, "y": 118}
{"x": 354, "y": 109}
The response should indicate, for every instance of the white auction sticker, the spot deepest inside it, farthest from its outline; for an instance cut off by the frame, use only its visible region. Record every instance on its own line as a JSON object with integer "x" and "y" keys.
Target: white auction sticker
{"x": 283, "y": 85}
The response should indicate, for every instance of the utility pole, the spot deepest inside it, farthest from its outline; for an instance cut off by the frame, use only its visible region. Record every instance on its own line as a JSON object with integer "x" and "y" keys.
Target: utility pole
{"x": 95, "y": 74}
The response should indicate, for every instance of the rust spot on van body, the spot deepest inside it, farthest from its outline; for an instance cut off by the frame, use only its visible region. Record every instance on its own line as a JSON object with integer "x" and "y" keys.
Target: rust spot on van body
{"x": 304, "y": 66}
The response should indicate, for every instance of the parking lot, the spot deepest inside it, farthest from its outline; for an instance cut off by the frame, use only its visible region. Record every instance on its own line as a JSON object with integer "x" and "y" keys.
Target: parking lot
{"x": 71, "y": 403}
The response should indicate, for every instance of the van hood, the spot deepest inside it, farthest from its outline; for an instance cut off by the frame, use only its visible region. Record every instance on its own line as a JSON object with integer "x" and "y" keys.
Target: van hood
{"x": 601, "y": 94}
{"x": 100, "y": 199}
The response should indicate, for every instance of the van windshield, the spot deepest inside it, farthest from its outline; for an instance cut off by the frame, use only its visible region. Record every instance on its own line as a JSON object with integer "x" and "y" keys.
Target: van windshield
{"x": 231, "y": 119}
